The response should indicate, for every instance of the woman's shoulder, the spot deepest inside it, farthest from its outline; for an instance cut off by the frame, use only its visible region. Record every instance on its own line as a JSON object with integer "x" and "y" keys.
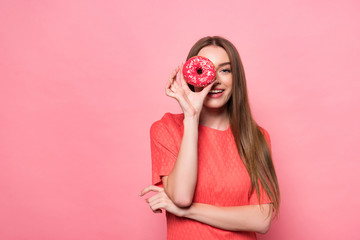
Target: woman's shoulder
{"x": 170, "y": 121}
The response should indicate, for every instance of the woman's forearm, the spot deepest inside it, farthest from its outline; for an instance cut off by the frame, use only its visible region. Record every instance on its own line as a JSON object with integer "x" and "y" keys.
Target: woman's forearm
{"x": 181, "y": 182}
{"x": 236, "y": 218}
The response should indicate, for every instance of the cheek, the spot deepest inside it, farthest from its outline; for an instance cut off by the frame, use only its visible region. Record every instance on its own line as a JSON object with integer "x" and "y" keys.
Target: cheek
{"x": 225, "y": 78}
{"x": 229, "y": 81}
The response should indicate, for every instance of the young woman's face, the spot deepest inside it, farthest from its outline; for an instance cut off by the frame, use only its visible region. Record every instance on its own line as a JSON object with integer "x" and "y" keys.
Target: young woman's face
{"x": 223, "y": 77}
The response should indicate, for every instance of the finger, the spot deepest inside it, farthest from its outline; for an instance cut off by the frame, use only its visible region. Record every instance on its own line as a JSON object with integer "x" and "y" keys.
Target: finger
{"x": 182, "y": 79}
{"x": 158, "y": 206}
{"x": 172, "y": 77}
{"x": 170, "y": 89}
{"x": 158, "y": 210}
{"x": 156, "y": 201}
{"x": 207, "y": 89}
{"x": 149, "y": 189}
{"x": 168, "y": 83}
{"x": 170, "y": 93}
{"x": 176, "y": 84}
{"x": 177, "y": 77}
{"x": 160, "y": 195}
{"x": 174, "y": 73}
{"x": 173, "y": 89}
{"x": 173, "y": 85}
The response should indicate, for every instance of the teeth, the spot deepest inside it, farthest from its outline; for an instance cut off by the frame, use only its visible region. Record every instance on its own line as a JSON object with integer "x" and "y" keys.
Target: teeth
{"x": 216, "y": 91}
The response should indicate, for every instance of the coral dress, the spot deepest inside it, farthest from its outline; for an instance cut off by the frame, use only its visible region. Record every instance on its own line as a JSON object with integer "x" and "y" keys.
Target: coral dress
{"x": 222, "y": 177}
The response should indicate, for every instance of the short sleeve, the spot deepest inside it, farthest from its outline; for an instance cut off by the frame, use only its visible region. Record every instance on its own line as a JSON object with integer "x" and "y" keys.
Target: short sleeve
{"x": 163, "y": 151}
{"x": 254, "y": 200}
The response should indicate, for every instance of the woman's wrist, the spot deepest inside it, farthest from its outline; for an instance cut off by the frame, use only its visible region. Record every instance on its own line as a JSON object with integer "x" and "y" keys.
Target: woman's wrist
{"x": 190, "y": 120}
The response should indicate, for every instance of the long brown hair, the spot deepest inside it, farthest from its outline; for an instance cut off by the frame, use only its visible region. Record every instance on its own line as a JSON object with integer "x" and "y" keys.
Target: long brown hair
{"x": 249, "y": 138}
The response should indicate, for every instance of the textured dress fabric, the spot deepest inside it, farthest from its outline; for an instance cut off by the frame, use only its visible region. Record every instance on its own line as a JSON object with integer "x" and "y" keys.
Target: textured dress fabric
{"x": 222, "y": 177}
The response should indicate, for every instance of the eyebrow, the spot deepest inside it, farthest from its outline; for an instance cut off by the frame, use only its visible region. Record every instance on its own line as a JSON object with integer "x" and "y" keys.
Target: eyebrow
{"x": 223, "y": 64}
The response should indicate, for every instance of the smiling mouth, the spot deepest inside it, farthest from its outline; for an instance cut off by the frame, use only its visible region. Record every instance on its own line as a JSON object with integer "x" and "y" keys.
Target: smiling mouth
{"x": 215, "y": 91}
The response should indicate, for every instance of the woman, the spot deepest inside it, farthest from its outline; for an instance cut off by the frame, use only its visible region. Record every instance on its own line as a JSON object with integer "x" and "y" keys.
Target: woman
{"x": 212, "y": 164}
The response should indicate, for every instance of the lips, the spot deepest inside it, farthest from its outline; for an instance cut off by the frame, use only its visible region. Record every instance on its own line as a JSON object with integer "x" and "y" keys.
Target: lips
{"x": 215, "y": 95}
{"x": 215, "y": 91}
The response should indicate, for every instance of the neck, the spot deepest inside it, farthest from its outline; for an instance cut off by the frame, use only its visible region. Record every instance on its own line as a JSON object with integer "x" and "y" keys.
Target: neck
{"x": 216, "y": 118}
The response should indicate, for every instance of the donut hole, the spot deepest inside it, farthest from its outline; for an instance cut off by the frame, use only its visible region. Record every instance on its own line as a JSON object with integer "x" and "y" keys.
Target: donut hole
{"x": 199, "y": 71}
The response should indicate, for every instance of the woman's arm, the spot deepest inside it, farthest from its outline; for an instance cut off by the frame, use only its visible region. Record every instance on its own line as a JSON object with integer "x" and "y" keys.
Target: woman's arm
{"x": 181, "y": 182}
{"x": 255, "y": 218}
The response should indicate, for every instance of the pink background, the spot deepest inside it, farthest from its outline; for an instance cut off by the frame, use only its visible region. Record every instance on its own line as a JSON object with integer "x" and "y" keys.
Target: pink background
{"x": 82, "y": 81}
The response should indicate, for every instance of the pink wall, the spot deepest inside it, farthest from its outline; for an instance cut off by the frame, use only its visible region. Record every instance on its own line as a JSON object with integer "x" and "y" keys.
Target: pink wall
{"x": 82, "y": 81}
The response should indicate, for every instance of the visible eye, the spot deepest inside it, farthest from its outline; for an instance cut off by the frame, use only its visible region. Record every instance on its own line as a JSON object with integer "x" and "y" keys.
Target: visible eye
{"x": 227, "y": 70}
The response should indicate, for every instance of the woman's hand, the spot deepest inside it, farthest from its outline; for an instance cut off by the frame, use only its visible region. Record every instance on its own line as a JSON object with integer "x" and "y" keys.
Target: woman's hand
{"x": 190, "y": 102}
{"x": 252, "y": 218}
{"x": 161, "y": 201}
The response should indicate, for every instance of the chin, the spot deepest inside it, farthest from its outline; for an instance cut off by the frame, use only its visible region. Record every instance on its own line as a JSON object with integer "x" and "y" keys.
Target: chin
{"x": 215, "y": 106}
{"x": 216, "y": 103}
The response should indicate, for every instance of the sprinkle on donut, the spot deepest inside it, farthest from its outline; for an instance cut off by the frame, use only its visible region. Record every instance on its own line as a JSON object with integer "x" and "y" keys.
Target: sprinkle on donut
{"x": 199, "y": 71}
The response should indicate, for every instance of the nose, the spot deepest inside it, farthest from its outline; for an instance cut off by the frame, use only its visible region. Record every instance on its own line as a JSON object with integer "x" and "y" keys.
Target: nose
{"x": 217, "y": 81}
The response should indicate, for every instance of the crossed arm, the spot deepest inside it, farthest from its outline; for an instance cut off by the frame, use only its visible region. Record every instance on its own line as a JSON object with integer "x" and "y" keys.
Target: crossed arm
{"x": 177, "y": 195}
{"x": 254, "y": 218}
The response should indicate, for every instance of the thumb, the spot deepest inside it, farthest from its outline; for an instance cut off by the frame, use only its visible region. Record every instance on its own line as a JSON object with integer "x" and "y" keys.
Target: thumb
{"x": 207, "y": 89}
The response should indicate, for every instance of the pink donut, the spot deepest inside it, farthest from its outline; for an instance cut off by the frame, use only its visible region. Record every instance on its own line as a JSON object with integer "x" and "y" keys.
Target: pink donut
{"x": 199, "y": 71}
